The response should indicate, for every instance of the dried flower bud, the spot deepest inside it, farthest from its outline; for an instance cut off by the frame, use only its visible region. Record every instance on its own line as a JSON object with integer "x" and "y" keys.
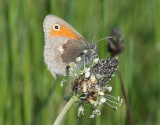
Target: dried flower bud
{"x": 116, "y": 43}
{"x": 105, "y": 69}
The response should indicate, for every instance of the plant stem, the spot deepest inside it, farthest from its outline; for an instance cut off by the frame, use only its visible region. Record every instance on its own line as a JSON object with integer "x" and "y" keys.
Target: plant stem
{"x": 125, "y": 97}
{"x": 65, "y": 109}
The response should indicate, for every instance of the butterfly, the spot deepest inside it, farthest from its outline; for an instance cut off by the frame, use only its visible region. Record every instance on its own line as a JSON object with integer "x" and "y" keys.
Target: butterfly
{"x": 63, "y": 44}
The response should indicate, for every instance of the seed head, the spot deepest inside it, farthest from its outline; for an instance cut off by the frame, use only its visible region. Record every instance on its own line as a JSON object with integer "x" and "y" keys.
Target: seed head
{"x": 116, "y": 43}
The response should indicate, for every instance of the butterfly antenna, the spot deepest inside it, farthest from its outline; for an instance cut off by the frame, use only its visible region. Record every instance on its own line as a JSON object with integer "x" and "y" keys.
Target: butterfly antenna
{"x": 104, "y": 38}
{"x": 93, "y": 38}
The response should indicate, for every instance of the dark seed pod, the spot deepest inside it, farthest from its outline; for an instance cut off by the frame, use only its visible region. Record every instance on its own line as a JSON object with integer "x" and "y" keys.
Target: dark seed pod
{"x": 105, "y": 70}
{"x": 116, "y": 43}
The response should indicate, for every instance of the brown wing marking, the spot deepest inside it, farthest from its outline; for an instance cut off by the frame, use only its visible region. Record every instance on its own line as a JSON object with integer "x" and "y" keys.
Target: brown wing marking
{"x": 72, "y": 49}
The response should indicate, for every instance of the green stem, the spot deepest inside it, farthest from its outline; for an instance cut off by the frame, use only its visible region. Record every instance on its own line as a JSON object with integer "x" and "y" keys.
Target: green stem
{"x": 65, "y": 109}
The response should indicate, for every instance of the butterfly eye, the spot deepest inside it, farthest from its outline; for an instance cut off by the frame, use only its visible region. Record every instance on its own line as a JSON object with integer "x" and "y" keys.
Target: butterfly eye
{"x": 56, "y": 27}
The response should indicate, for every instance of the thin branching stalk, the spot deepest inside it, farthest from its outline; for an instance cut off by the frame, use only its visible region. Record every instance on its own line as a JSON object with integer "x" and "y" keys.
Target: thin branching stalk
{"x": 65, "y": 109}
{"x": 125, "y": 97}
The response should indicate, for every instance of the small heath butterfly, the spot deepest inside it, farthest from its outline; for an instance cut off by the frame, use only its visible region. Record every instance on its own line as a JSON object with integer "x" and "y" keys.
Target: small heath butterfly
{"x": 63, "y": 45}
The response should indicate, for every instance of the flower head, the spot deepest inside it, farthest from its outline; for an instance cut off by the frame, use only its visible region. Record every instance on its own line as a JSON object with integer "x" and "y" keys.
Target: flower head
{"x": 91, "y": 86}
{"x": 90, "y": 83}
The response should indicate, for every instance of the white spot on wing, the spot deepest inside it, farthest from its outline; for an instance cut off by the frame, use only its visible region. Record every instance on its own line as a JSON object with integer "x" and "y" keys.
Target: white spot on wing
{"x": 60, "y": 49}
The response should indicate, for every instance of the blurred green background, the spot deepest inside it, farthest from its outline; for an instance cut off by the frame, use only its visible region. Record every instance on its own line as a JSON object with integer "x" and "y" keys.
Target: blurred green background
{"x": 29, "y": 95}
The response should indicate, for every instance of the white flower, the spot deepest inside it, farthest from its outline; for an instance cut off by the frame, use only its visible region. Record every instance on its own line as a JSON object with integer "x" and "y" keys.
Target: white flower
{"x": 95, "y": 60}
{"x": 92, "y": 116}
{"x": 87, "y": 74}
{"x": 80, "y": 110}
{"x": 109, "y": 88}
{"x": 70, "y": 69}
{"x": 93, "y": 79}
{"x": 100, "y": 93}
{"x": 85, "y": 51}
{"x": 96, "y": 112}
{"x": 86, "y": 69}
{"x": 92, "y": 101}
{"x": 78, "y": 59}
{"x": 72, "y": 64}
{"x": 118, "y": 98}
{"x": 63, "y": 82}
{"x": 103, "y": 100}
{"x": 84, "y": 88}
